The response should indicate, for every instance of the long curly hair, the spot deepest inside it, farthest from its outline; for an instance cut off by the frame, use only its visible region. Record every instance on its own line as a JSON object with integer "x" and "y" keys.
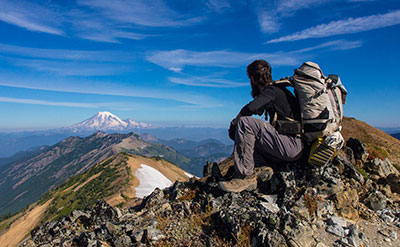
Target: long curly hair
{"x": 260, "y": 71}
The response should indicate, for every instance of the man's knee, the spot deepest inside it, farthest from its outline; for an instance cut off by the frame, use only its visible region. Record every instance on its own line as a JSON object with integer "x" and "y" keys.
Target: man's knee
{"x": 244, "y": 120}
{"x": 255, "y": 124}
{"x": 247, "y": 121}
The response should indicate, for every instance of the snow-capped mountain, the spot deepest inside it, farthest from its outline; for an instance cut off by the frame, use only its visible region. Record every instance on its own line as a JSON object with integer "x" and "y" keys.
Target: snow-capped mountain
{"x": 106, "y": 121}
{"x": 135, "y": 125}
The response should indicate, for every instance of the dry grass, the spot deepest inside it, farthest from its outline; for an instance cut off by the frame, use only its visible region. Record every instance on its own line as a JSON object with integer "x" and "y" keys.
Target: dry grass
{"x": 244, "y": 236}
{"x": 171, "y": 171}
{"x": 22, "y": 226}
{"x": 311, "y": 203}
{"x": 186, "y": 230}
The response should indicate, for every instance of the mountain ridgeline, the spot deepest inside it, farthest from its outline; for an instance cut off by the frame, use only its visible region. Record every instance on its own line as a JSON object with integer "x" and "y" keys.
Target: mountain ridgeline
{"x": 120, "y": 180}
{"x": 11, "y": 143}
{"x": 346, "y": 204}
{"x": 24, "y": 181}
{"x": 352, "y": 201}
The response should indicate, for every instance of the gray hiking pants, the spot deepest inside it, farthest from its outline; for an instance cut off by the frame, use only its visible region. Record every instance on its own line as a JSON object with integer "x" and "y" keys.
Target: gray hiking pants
{"x": 256, "y": 139}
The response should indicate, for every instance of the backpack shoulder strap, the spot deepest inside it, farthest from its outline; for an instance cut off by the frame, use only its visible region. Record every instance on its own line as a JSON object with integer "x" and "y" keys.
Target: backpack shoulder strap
{"x": 285, "y": 82}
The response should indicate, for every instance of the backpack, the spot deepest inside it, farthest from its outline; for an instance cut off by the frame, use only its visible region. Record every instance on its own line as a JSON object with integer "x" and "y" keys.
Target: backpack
{"x": 320, "y": 99}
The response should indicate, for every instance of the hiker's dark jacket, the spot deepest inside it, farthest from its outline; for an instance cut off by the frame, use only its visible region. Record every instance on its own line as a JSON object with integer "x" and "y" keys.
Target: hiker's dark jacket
{"x": 273, "y": 98}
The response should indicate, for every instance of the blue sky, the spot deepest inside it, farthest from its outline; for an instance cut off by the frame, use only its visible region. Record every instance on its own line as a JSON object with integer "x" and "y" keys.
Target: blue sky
{"x": 183, "y": 62}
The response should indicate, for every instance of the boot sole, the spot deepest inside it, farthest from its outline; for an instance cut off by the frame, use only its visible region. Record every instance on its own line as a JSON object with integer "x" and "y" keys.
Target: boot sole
{"x": 251, "y": 187}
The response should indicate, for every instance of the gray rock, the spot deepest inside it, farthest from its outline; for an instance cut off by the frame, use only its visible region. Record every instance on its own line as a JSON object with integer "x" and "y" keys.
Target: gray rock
{"x": 123, "y": 241}
{"x": 393, "y": 235}
{"x": 325, "y": 209}
{"x": 376, "y": 201}
{"x": 387, "y": 215}
{"x": 113, "y": 229}
{"x": 274, "y": 238}
{"x": 29, "y": 243}
{"x": 394, "y": 183}
{"x": 103, "y": 212}
{"x": 336, "y": 225}
{"x": 350, "y": 170}
{"x": 137, "y": 236}
{"x": 153, "y": 234}
{"x": 269, "y": 198}
{"x": 302, "y": 237}
{"x": 271, "y": 208}
{"x": 382, "y": 168}
{"x": 348, "y": 154}
{"x": 335, "y": 220}
{"x": 335, "y": 230}
{"x": 353, "y": 236}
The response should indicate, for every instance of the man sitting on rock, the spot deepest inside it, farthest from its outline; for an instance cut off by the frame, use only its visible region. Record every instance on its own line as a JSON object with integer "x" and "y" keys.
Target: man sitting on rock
{"x": 257, "y": 142}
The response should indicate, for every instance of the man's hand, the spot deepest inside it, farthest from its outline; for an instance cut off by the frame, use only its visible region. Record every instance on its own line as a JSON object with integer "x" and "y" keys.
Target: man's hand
{"x": 232, "y": 130}
{"x": 232, "y": 127}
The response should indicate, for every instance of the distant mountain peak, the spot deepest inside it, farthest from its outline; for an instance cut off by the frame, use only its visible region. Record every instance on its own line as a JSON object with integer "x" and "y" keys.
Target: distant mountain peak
{"x": 106, "y": 121}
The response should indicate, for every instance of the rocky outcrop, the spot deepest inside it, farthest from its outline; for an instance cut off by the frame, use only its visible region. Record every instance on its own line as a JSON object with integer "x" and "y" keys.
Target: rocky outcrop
{"x": 339, "y": 205}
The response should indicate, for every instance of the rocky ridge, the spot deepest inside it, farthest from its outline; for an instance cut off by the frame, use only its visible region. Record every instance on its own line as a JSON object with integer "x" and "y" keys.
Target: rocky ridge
{"x": 353, "y": 201}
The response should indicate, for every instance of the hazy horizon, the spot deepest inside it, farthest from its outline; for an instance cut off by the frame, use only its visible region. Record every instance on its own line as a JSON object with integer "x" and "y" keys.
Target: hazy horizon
{"x": 184, "y": 62}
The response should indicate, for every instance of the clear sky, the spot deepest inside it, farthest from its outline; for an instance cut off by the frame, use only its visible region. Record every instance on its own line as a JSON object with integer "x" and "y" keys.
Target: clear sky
{"x": 183, "y": 62}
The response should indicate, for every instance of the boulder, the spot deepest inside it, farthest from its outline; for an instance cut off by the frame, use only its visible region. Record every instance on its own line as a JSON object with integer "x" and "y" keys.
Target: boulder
{"x": 394, "y": 182}
{"x": 359, "y": 149}
{"x": 382, "y": 168}
{"x": 376, "y": 201}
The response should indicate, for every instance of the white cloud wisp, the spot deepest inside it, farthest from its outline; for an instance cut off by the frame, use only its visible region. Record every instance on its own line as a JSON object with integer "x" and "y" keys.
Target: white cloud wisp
{"x": 32, "y": 17}
{"x": 70, "y": 55}
{"x": 270, "y": 13}
{"x": 48, "y": 103}
{"x": 176, "y": 60}
{"x": 350, "y": 25}
{"x": 205, "y": 81}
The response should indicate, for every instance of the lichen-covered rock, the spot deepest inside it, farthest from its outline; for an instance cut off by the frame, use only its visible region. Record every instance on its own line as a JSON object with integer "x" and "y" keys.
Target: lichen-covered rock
{"x": 346, "y": 204}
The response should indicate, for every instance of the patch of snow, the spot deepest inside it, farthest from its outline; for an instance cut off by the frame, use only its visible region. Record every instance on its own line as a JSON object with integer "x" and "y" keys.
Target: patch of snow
{"x": 149, "y": 179}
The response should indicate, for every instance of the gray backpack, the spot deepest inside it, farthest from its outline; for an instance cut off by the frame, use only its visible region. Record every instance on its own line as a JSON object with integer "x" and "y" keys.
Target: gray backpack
{"x": 321, "y": 101}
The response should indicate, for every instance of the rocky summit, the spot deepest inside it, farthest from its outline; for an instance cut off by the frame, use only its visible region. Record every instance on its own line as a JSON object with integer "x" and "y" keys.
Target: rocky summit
{"x": 353, "y": 201}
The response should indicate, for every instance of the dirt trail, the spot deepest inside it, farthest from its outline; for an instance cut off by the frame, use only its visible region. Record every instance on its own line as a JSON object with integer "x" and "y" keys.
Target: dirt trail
{"x": 22, "y": 226}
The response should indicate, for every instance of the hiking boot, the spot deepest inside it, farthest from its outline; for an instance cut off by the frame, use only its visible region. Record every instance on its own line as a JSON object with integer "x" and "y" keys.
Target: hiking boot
{"x": 248, "y": 183}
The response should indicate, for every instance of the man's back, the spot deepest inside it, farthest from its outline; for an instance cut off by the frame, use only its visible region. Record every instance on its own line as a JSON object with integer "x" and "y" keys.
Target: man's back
{"x": 274, "y": 98}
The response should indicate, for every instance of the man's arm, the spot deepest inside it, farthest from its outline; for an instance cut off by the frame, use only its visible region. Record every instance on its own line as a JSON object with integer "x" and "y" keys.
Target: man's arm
{"x": 256, "y": 106}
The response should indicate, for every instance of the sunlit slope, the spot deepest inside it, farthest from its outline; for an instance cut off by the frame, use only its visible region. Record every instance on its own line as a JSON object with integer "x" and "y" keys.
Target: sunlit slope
{"x": 379, "y": 143}
{"x": 25, "y": 181}
{"x": 113, "y": 180}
